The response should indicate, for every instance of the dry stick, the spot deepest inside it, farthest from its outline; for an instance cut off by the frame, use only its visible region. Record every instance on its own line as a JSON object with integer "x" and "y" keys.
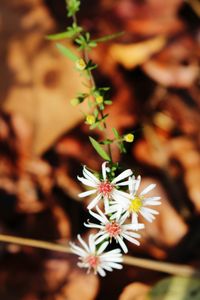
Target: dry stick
{"x": 170, "y": 268}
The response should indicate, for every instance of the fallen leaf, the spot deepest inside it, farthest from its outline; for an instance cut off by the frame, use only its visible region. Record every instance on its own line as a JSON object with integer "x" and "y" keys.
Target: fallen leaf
{"x": 136, "y": 54}
{"x": 135, "y": 291}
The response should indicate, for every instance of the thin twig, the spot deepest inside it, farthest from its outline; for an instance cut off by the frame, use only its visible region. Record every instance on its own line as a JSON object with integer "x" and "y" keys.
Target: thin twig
{"x": 170, "y": 268}
{"x": 34, "y": 243}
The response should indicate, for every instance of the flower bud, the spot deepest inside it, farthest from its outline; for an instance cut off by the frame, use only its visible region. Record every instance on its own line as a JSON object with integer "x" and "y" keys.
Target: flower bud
{"x": 129, "y": 138}
{"x": 90, "y": 119}
{"x": 80, "y": 64}
{"x": 99, "y": 99}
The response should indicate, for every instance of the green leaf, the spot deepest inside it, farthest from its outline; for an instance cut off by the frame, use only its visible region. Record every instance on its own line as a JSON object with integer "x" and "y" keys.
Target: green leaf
{"x": 108, "y": 102}
{"x": 67, "y": 52}
{"x": 108, "y": 37}
{"x": 72, "y": 7}
{"x": 59, "y": 36}
{"x": 99, "y": 149}
{"x": 176, "y": 288}
{"x": 107, "y": 142}
{"x": 116, "y": 134}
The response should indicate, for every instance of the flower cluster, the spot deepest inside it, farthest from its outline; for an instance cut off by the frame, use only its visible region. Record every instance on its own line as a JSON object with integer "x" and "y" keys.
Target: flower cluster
{"x": 121, "y": 204}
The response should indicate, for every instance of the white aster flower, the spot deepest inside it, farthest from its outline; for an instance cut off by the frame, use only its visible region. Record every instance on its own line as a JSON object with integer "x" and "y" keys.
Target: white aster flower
{"x": 103, "y": 188}
{"x": 93, "y": 258}
{"x": 135, "y": 203}
{"x": 115, "y": 229}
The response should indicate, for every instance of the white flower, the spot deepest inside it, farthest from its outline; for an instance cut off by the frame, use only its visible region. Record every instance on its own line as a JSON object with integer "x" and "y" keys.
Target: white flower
{"x": 136, "y": 203}
{"x": 93, "y": 258}
{"x": 115, "y": 229}
{"x": 103, "y": 188}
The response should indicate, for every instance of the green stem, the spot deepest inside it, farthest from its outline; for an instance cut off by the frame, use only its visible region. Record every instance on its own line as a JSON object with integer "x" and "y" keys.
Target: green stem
{"x": 93, "y": 85}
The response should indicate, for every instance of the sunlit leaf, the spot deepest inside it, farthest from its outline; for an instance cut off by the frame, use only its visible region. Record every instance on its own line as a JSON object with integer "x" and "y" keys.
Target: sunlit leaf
{"x": 60, "y": 36}
{"x": 99, "y": 149}
{"x": 67, "y": 52}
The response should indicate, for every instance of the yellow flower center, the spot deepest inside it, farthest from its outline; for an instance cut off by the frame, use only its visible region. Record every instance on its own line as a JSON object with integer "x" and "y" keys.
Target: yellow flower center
{"x": 129, "y": 138}
{"x": 90, "y": 119}
{"x": 99, "y": 99}
{"x": 135, "y": 205}
{"x": 80, "y": 64}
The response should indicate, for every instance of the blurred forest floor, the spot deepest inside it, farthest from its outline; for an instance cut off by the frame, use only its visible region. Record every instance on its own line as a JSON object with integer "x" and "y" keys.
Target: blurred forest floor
{"x": 153, "y": 71}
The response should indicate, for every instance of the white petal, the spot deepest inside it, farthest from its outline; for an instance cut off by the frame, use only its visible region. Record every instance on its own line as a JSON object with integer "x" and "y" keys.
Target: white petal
{"x": 94, "y": 202}
{"x": 87, "y": 193}
{"x": 92, "y": 243}
{"x": 132, "y": 240}
{"x": 120, "y": 196}
{"x": 134, "y": 184}
{"x": 107, "y": 268}
{"x": 93, "y": 225}
{"x": 87, "y": 182}
{"x": 101, "y": 271}
{"x": 136, "y": 226}
{"x": 76, "y": 249}
{"x": 148, "y": 189}
{"x": 148, "y": 213}
{"x": 102, "y": 248}
{"x": 100, "y": 216}
{"x": 123, "y": 175}
{"x": 147, "y": 216}
{"x": 115, "y": 265}
{"x": 137, "y": 183}
{"x": 106, "y": 204}
{"x": 102, "y": 238}
{"x": 90, "y": 176}
{"x": 104, "y": 170}
{"x": 83, "y": 243}
{"x": 123, "y": 183}
{"x": 122, "y": 244}
{"x": 134, "y": 218}
{"x": 149, "y": 210}
{"x": 132, "y": 234}
{"x": 149, "y": 202}
{"x": 131, "y": 184}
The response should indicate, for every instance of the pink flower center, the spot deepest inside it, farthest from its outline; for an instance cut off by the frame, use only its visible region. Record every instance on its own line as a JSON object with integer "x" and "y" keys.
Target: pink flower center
{"x": 105, "y": 188}
{"x": 113, "y": 229}
{"x": 93, "y": 261}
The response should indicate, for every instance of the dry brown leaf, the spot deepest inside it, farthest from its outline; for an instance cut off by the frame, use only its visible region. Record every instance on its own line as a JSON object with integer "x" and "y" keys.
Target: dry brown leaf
{"x": 172, "y": 75}
{"x": 80, "y": 286}
{"x": 136, "y": 54}
{"x": 44, "y": 80}
{"x": 176, "y": 65}
{"x": 135, "y": 291}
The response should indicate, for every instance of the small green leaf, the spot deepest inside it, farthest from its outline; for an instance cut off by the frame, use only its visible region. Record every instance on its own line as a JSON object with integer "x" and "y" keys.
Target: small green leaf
{"x": 107, "y": 142}
{"x": 59, "y": 36}
{"x": 67, "y": 52}
{"x": 108, "y": 37}
{"x": 108, "y": 102}
{"x": 116, "y": 134}
{"x": 99, "y": 149}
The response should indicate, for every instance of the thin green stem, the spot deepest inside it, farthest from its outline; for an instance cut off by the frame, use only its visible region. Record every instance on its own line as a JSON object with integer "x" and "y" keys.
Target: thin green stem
{"x": 93, "y": 85}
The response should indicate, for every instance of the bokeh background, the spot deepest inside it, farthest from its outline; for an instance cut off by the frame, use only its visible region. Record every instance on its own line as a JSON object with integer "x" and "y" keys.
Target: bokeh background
{"x": 153, "y": 71}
